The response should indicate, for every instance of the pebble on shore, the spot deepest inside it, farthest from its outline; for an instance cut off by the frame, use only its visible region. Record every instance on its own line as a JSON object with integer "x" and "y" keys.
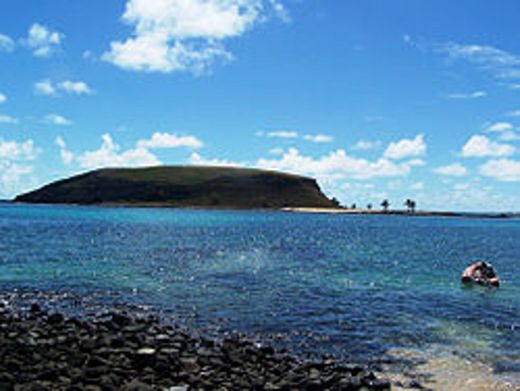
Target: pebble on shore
{"x": 46, "y": 351}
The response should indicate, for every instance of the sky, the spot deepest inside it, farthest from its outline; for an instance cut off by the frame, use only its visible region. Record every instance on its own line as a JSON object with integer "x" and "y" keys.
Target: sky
{"x": 376, "y": 99}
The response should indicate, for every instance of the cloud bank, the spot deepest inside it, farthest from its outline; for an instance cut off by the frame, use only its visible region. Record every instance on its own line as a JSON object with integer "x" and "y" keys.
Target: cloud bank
{"x": 185, "y": 35}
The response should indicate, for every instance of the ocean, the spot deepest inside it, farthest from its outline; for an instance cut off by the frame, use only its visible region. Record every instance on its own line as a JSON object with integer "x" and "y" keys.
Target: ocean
{"x": 370, "y": 289}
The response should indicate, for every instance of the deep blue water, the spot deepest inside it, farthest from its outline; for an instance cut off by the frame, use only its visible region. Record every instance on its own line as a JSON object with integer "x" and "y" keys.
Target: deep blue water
{"x": 358, "y": 286}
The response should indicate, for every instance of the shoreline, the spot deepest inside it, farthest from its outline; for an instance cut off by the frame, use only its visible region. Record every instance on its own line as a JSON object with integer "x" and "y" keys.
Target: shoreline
{"x": 421, "y": 213}
{"x": 304, "y": 210}
{"x": 117, "y": 350}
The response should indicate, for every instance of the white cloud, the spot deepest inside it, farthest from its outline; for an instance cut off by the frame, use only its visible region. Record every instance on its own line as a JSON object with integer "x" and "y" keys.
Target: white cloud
{"x": 56, "y": 119}
{"x": 167, "y": 140}
{"x": 461, "y": 186}
{"x": 14, "y": 171}
{"x": 184, "y": 35}
{"x": 357, "y": 186}
{"x": 336, "y": 163}
{"x": 406, "y": 148}
{"x": 14, "y": 151}
{"x": 417, "y": 186}
{"x": 6, "y": 119}
{"x": 47, "y": 87}
{"x": 318, "y": 138}
{"x": 3, "y": 98}
{"x": 488, "y": 56}
{"x": 282, "y": 134}
{"x": 481, "y": 146}
{"x": 6, "y": 43}
{"x": 280, "y": 10}
{"x": 42, "y": 41}
{"x": 14, "y": 178}
{"x": 509, "y": 136}
{"x": 66, "y": 156}
{"x": 505, "y": 170}
{"x": 153, "y": 53}
{"x": 291, "y": 134}
{"x": 499, "y": 127}
{"x": 197, "y": 160}
{"x": 472, "y": 196}
{"x": 75, "y": 87}
{"x": 109, "y": 154}
{"x": 87, "y": 55}
{"x": 455, "y": 169}
{"x": 360, "y": 193}
{"x": 276, "y": 151}
{"x": 514, "y": 113}
{"x": 500, "y": 63}
{"x": 416, "y": 162}
{"x": 364, "y": 145}
{"x": 44, "y": 87}
{"x": 331, "y": 170}
{"x": 328, "y": 169}
{"x": 467, "y": 95}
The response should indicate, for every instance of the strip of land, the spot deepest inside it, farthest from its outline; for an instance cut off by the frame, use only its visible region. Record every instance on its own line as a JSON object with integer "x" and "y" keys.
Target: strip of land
{"x": 398, "y": 212}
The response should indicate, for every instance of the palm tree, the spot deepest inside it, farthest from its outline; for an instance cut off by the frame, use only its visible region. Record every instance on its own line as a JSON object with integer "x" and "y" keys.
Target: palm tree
{"x": 385, "y": 204}
{"x": 410, "y": 205}
{"x": 369, "y": 206}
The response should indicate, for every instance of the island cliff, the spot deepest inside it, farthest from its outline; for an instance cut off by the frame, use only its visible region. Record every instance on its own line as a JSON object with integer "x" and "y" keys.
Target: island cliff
{"x": 183, "y": 186}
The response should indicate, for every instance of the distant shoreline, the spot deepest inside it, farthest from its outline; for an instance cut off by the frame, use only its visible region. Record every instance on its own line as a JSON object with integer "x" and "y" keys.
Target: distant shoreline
{"x": 305, "y": 210}
{"x": 401, "y": 213}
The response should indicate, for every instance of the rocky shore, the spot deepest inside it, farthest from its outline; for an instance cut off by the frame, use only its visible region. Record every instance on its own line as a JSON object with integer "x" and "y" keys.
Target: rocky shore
{"x": 43, "y": 350}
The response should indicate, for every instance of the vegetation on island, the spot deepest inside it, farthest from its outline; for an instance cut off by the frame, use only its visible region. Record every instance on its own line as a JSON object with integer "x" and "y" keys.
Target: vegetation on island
{"x": 184, "y": 186}
{"x": 385, "y": 206}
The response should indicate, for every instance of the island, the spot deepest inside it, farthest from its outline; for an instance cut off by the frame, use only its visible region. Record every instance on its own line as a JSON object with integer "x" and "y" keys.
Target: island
{"x": 184, "y": 186}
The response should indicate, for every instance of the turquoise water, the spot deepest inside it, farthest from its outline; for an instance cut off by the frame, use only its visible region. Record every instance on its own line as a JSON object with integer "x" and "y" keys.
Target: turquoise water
{"x": 357, "y": 286}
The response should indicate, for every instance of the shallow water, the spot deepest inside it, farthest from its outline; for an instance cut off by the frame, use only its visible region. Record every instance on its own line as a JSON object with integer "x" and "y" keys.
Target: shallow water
{"x": 371, "y": 289}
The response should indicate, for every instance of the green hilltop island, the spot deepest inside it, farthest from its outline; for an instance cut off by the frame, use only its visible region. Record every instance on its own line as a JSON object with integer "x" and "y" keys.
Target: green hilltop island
{"x": 184, "y": 186}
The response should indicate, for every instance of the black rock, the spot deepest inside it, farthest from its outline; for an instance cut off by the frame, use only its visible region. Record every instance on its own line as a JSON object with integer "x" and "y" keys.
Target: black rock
{"x": 126, "y": 353}
{"x": 136, "y": 385}
{"x": 35, "y": 308}
{"x": 7, "y": 378}
{"x": 120, "y": 320}
{"x": 378, "y": 384}
{"x": 55, "y": 318}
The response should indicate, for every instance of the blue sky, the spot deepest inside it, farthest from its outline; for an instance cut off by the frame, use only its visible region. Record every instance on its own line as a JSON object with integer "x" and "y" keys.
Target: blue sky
{"x": 376, "y": 99}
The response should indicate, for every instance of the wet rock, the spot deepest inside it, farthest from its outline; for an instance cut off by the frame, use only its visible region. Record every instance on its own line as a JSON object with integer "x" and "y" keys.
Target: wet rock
{"x": 35, "y": 308}
{"x": 189, "y": 363}
{"x": 120, "y": 320}
{"x": 115, "y": 351}
{"x": 55, "y": 319}
{"x": 178, "y": 388}
{"x": 94, "y": 374}
{"x": 7, "y": 379}
{"x": 415, "y": 384}
{"x": 146, "y": 352}
{"x": 378, "y": 384}
{"x": 136, "y": 385}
